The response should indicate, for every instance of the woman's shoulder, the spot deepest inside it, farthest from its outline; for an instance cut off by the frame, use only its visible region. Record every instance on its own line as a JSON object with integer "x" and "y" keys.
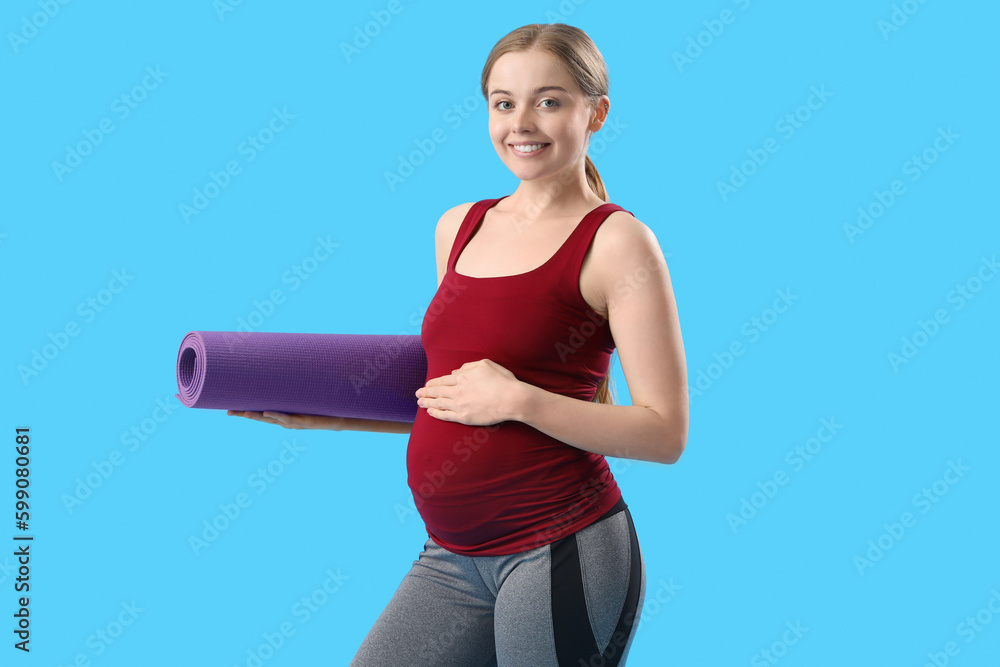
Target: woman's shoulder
{"x": 621, "y": 227}
{"x": 445, "y": 233}
{"x": 459, "y": 211}
{"x": 450, "y": 221}
{"x": 622, "y": 240}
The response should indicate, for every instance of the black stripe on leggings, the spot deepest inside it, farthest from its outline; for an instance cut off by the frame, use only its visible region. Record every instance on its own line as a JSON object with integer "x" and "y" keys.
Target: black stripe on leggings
{"x": 616, "y": 645}
{"x": 576, "y": 645}
{"x": 570, "y": 621}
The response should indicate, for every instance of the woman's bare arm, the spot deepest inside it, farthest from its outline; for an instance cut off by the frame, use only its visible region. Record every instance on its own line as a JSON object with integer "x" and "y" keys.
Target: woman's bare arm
{"x": 645, "y": 327}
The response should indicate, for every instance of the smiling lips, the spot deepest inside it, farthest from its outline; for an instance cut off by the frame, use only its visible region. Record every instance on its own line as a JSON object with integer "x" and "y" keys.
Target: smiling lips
{"x": 529, "y": 150}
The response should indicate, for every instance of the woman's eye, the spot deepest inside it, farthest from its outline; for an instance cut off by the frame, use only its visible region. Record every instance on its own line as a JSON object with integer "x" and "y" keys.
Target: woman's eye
{"x": 548, "y": 106}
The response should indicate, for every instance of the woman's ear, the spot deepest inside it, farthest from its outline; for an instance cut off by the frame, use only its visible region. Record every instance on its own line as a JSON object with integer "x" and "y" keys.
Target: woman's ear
{"x": 601, "y": 115}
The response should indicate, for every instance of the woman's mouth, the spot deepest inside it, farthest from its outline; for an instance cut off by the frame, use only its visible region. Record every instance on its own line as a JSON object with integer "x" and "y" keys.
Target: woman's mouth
{"x": 529, "y": 150}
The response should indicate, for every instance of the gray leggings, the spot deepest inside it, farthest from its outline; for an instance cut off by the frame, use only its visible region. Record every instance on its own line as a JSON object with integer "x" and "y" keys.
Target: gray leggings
{"x": 575, "y": 602}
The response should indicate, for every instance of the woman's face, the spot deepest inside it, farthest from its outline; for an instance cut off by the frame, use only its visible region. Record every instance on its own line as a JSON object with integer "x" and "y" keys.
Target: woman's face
{"x": 557, "y": 116}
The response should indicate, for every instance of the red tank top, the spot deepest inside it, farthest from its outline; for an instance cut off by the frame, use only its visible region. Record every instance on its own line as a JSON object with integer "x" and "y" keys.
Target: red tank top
{"x": 508, "y": 487}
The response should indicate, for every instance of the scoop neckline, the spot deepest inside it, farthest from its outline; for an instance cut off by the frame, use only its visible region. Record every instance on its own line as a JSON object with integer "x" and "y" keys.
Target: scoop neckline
{"x": 479, "y": 222}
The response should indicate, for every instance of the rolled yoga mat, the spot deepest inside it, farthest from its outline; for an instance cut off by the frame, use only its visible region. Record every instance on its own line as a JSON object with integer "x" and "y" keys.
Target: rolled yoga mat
{"x": 335, "y": 375}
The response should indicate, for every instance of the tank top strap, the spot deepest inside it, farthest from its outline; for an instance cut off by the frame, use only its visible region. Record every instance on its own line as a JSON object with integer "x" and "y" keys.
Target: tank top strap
{"x": 472, "y": 218}
{"x": 575, "y": 248}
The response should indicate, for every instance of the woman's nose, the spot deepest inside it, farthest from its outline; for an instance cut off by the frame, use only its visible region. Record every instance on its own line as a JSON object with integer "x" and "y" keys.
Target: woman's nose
{"x": 522, "y": 121}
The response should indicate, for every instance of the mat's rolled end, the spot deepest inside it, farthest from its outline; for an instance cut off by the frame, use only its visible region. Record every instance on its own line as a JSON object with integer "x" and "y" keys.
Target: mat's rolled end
{"x": 190, "y": 368}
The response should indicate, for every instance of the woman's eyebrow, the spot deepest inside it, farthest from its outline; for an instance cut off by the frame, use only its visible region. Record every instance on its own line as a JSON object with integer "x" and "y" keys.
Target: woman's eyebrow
{"x": 534, "y": 92}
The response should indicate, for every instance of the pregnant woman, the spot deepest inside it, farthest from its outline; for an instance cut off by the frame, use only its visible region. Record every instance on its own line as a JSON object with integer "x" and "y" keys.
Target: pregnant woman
{"x": 532, "y": 558}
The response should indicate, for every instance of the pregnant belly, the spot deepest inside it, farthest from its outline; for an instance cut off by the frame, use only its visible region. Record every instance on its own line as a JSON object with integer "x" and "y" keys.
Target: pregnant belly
{"x": 472, "y": 484}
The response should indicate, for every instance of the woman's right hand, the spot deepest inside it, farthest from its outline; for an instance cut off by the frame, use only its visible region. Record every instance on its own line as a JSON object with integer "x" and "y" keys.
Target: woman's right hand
{"x": 295, "y": 421}
{"x": 299, "y": 421}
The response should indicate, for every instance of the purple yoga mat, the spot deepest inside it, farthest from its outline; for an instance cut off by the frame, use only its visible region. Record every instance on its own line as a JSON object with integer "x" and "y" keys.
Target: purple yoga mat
{"x": 336, "y": 375}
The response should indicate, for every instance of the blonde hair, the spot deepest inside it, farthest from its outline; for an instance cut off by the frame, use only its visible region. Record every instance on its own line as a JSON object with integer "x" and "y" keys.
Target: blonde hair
{"x": 579, "y": 55}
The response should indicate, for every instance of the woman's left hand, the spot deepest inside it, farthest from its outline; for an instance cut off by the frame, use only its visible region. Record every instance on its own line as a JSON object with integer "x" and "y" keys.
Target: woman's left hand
{"x": 478, "y": 394}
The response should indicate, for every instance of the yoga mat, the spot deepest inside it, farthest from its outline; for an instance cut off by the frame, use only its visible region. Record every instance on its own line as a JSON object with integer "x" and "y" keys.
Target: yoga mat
{"x": 335, "y": 375}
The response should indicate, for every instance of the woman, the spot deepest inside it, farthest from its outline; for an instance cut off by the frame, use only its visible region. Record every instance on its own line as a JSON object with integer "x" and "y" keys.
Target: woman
{"x": 532, "y": 557}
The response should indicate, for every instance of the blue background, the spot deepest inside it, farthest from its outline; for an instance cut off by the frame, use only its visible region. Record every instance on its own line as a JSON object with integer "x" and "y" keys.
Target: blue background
{"x": 719, "y": 591}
